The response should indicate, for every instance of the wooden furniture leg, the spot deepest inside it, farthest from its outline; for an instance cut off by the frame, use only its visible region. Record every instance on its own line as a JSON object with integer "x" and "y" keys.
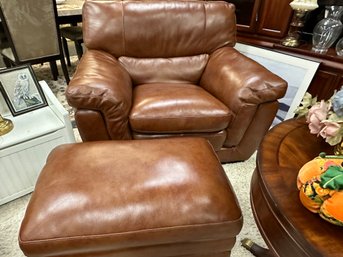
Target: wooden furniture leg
{"x": 7, "y": 62}
{"x": 64, "y": 69}
{"x": 255, "y": 249}
{"x": 79, "y": 50}
{"x": 54, "y": 70}
{"x": 66, "y": 50}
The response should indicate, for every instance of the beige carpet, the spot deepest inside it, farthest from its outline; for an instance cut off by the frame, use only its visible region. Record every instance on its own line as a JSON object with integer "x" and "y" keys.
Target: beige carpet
{"x": 239, "y": 174}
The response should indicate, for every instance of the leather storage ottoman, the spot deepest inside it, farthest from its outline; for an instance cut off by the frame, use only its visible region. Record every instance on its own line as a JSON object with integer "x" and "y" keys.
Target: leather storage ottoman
{"x": 141, "y": 198}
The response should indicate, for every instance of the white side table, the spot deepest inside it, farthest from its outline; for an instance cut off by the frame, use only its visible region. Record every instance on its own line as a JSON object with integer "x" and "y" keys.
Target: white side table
{"x": 24, "y": 150}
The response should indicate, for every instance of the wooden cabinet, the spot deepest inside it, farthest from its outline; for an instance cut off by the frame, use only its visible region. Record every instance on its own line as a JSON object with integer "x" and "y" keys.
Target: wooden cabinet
{"x": 263, "y": 17}
{"x": 264, "y": 23}
{"x": 326, "y": 82}
{"x": 274, "y": 18}
{"x": 329, "y": 76}
{"x": 247, "y": 14}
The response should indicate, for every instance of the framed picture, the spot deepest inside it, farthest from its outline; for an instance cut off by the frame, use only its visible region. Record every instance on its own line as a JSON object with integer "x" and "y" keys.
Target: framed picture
{"x": 21, "y": 90}
{"x": 296, "y": 71}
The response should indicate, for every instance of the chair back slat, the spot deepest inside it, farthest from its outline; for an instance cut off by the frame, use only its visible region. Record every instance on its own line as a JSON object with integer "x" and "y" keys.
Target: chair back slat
{"x": 31, "y": 28}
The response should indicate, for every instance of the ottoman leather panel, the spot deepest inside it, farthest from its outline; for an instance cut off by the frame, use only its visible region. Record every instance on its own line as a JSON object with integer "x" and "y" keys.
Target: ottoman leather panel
{"x": 130, "y": 198}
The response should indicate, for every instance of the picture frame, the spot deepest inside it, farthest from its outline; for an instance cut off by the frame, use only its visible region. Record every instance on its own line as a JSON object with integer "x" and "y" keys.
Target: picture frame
{"x": 298, "y": 73}
{"x": 21, "y": 90}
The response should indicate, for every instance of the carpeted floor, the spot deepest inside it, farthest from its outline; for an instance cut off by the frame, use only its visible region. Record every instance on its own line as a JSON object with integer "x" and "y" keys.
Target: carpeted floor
{"x": 58, "y": 87}
{"x": 239, "y": 175}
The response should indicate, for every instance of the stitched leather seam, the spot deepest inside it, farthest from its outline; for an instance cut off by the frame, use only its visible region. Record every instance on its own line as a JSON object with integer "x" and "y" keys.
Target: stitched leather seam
{"x": 31, "y": 242}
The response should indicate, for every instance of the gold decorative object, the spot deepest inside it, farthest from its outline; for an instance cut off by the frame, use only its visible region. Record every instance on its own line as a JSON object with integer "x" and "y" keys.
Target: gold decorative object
{"x": 301, "y": 8}
{"x": 338, "y": 149}
{"x": 5, "y": 125}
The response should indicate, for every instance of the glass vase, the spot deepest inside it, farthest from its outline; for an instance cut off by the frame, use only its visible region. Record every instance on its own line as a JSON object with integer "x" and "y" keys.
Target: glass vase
{"x": 327, "y": 31}
{"x": 339, "y": 47}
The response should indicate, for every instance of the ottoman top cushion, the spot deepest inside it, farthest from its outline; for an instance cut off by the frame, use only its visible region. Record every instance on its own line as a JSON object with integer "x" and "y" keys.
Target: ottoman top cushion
{"x": 115, "y": 194}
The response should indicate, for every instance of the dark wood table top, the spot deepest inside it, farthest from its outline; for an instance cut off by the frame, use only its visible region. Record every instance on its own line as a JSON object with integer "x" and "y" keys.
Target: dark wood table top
{"x": 70, "y": 12}
{"x": 288, "y": 228}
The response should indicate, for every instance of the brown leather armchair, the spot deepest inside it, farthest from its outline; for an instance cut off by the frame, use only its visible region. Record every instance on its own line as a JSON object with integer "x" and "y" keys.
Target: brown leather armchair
{"x": 168, "y": 68}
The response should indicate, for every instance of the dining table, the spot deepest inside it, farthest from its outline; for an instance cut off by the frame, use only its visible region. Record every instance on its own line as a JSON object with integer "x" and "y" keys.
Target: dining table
{"x": 70, "y": 12}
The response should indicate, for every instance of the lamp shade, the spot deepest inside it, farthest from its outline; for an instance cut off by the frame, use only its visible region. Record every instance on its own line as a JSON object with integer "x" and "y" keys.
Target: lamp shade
{"x": 330, "y": 2}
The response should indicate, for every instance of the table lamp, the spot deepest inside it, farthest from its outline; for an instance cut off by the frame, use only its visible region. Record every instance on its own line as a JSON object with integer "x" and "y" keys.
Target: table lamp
{"x": 5, "y": 125}
{"x": 301, "y": 8}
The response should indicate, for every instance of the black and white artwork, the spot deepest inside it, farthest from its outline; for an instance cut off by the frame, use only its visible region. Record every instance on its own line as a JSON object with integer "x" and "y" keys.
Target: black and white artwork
{"x": 21, "y": 90}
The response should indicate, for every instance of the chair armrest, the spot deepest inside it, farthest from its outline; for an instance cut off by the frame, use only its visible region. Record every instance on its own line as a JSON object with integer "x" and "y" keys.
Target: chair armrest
{"x": 238, "y": 80}
{"x": 249, "y": 90}
{"x": 100, "y": 83}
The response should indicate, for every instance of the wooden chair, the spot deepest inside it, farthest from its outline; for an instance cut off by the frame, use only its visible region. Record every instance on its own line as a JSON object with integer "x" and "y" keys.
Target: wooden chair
{"x": 33, "y": 34}
{"x": 73, "y": 33}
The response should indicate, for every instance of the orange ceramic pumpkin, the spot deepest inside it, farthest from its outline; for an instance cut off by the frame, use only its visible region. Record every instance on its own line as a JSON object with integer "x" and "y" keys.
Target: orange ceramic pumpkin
{"x": 320, "y": 184}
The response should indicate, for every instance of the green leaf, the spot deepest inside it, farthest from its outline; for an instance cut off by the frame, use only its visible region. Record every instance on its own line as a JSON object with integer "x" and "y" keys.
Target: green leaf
{"x": 334, "y": 117}
{"x": 308, "y": 100}
{"x": 334, "y": 140}
{"x": 314, "y": 100}
{"x": 332, "y": 178}
{"x": 301, "y": 111}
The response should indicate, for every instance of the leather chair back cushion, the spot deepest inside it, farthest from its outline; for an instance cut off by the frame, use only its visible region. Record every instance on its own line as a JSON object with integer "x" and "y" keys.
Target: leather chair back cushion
{"x": 158, "y": 29}
{"x": 32, "y": 28}
{"x": 165, "y": 70}
{"x": 176, "y": 108}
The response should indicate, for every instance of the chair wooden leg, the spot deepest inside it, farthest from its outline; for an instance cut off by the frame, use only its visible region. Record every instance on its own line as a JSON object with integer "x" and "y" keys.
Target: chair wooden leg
{"x": 7, "y": 62}
{"x": 53, "y": 68}
{"x": 66, "y": 50}
{"x": 64, "y": 69}
{"x": 255, "y": 249}
{"x": 78, "y": 48}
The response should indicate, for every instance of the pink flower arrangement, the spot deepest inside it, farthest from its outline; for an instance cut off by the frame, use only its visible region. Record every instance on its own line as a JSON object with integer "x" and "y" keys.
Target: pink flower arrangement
{"x": 324, "y": 118}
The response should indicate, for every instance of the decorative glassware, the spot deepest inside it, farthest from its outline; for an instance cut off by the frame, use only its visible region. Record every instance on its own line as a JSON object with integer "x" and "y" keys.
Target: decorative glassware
{"x": 301, "y": 8}
{"x": 339, "y": 47}
{"x": 326, "y": 32}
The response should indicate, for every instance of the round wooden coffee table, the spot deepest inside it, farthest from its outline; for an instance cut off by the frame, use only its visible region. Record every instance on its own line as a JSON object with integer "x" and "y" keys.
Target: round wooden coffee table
{"x": 288, "y": 228}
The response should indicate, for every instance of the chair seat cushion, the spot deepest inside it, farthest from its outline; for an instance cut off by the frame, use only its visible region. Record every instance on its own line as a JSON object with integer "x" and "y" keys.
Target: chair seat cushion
{"x": 73, "y": 33}
{"x": 176, "y": 108}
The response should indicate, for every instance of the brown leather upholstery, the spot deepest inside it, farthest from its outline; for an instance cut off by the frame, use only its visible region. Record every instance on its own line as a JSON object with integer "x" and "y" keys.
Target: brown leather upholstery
{"x": 168, "y": 68}
{"x": 132, "y": 198}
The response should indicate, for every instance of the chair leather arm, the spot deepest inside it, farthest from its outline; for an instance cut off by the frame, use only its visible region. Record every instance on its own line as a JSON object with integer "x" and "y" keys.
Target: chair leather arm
{"x": 100, "y": 83}
{"x": 239, "y": 81}
{"x": 244, "y": 86}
